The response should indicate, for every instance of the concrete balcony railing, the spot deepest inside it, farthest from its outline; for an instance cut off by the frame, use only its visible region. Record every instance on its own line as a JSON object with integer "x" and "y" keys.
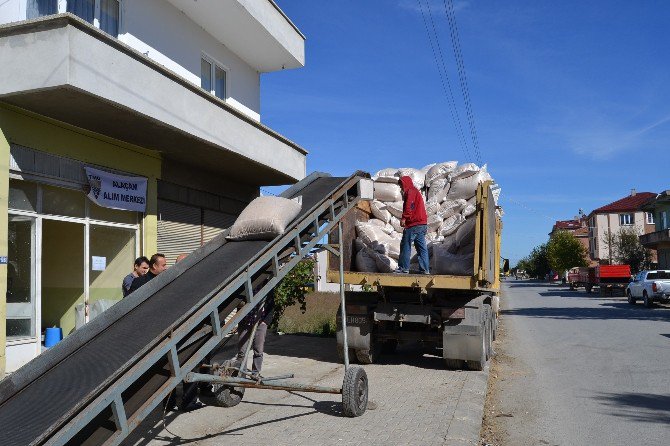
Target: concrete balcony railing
{"x": 653, "y": 239}
{"x": 63, "y": 68}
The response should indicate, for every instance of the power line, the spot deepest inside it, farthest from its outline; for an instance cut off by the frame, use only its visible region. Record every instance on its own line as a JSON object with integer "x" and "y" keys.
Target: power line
{"x": 444, "y": 78}
{"x": 462, "y": 76}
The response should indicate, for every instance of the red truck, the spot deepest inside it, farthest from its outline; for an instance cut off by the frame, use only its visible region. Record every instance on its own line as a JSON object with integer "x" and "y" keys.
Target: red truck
{"x": 607, "y": 278}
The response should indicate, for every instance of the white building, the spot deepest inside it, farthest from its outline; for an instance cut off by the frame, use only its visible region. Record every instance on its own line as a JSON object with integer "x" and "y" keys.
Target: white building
{"x": 164, "y": 90}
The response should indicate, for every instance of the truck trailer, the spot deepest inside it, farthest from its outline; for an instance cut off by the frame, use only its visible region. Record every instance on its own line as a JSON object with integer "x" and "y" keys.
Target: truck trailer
{"x": 453, "y": 315}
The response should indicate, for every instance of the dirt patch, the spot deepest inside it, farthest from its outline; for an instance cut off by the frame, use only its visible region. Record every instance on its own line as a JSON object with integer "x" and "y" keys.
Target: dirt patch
{"x": 319, "y": 317}
{"x": 492, "y": 432}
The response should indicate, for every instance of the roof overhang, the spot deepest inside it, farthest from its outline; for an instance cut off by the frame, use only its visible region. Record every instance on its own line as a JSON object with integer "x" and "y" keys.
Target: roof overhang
{"x": 256, "y": 30}
{"x": 65, "y": 69}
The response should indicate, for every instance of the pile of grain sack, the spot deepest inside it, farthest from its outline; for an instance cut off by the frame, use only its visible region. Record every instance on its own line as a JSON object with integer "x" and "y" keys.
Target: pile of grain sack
{"x": 449, "y": 191}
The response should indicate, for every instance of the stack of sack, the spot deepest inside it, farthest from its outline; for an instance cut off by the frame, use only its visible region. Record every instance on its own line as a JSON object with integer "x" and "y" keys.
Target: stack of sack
{"x": 449, "y": 191}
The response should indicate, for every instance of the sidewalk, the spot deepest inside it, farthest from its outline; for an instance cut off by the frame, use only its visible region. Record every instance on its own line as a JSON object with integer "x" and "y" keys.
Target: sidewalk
{"x": 418, "y": 402}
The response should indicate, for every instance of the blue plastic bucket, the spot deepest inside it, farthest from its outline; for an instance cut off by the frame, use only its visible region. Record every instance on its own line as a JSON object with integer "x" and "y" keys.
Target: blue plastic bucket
{"x": 52, "y": 336}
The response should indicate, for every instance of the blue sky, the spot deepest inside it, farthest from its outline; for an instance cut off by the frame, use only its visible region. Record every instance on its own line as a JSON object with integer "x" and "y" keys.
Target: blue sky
{"x": 570, "y": 99}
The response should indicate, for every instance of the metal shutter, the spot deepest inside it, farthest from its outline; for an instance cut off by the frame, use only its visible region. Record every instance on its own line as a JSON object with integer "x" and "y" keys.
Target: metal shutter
{"x": 215, "y": 222}
{"x": 179, "y": 229}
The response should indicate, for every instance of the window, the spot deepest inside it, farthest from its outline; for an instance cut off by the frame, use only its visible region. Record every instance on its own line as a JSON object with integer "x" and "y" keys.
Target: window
{"x": 213, "y": 77}
{"x": 103, "y": 14}
{"x": 650, "y": 218}
{"x": 664, "y": 220}
{"x": 39, "y": 8}
{"x": 626, "y": 219}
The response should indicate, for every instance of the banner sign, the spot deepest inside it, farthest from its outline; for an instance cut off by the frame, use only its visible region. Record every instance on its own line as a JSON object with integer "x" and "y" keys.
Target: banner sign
{"x": 117, "y": 191}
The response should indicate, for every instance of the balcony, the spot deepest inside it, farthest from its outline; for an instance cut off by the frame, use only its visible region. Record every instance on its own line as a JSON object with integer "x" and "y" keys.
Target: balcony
{"x": 65, "y": 69}
{"x": 654, "y": 239}
{"x": 256, "y": 30}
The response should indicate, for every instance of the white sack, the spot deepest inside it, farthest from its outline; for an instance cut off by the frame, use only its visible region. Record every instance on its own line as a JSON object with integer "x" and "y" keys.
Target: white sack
{"x": 432, "y": 207}
{"x": 418, "y": 178}
{"x": 463, "y": 171}
{"x": 469, "y": 210}
{"x": 373, "y": 237}
{"x": 450, "y": 207}
{"x": 385, "y": 264}
{"x": 444, "y": 262}
{"x": 379, "y": 211}
{"x": 387, "y": 228}
{"x": 387, "y": 192}
{"x": 395, "y": 208}
{"x": 395, "y": 222}
{"x": 467, "y": 187}
{"x": 365, "y": 261}
{"x": 389, "y": 175}
{"x": 439, "y": 171}
{"x": 434, "y": 222}
{"x": 264, "y": 218}
{"x": 438, "y": 195}
{"x": 451, "y": 224}
{"x": 465, "y": 234}
{"x": 424, "y": 170}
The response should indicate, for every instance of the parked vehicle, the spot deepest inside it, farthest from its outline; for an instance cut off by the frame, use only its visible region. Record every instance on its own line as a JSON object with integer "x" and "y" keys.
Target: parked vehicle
{"x": 650, "y": 286}
{"x": 453, "y": 315}
{"x": 521, "y": 274}
{"x": 608, "y": 278}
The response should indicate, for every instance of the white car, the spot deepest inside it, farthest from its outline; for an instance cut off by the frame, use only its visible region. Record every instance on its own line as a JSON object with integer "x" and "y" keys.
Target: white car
{"x": 650, "y": 286}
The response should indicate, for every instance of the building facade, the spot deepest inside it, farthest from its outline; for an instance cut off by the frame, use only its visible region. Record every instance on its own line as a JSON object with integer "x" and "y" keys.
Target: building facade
{"x": 659, "y": 239}
{"x": 164, "y": 93}
{"x": 578, "y": 227}
{"x": 624, "y": 213}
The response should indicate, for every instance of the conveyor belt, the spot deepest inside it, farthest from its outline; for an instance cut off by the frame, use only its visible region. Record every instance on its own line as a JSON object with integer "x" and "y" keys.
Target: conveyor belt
{"x": 48, "y": 392}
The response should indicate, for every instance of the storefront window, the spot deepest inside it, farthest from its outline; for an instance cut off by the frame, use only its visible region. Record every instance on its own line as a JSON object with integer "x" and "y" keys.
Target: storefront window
{"x": 22, "y": 195}
{"x": 20, "y": 277}
{"x": 61, "y": 201}
{"x": 112, "y": 253}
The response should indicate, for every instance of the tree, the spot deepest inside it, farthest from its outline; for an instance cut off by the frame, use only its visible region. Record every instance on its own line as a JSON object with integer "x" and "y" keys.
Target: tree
{"x": 293, "y": 288}
{"x": 564, "y": 251}
{"x": 536, "y": 263}
{"x": 626, "y": 249}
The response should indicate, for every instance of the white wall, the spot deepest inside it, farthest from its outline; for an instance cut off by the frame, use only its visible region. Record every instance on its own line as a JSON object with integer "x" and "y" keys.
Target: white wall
{"x": 610, "y": 222}
{"x": 169, "y": 37}
{"x": 12, "y": 11}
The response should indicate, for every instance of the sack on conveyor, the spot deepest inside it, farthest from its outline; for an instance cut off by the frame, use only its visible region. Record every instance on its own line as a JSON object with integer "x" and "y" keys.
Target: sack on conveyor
{"x": 451, "y": 224}
{"x": 387, "y": 192}
{"x": 445, "y": 262}
{"x": 264, "y": 219}
{"x": 379, "y": 211}
{"x": 439, "y": 171}
{"x": 389, "y": 175}
{"x": 416, "y": 175}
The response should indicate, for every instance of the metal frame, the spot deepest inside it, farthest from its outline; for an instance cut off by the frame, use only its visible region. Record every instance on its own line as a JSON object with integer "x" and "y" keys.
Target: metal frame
{"x": 276, "y": 260}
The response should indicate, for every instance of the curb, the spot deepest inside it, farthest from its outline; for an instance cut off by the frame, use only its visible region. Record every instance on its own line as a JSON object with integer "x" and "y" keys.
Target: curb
{"x": 466, "y": 424}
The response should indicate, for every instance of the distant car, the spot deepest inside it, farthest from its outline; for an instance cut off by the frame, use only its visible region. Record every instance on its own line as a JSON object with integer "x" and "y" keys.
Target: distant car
{"x": 650, "y": 286}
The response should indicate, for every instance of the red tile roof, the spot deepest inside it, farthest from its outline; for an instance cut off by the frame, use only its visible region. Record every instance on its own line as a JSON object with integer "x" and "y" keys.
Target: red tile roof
{"x": 626, "y": 204}
{"x": 567, "y": 224}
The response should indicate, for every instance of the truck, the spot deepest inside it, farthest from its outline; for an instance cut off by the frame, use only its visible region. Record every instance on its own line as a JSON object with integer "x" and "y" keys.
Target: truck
{"x": 608, "y": 278}
{"x": 453, "y": 315}
{"x": 650, "y": 286}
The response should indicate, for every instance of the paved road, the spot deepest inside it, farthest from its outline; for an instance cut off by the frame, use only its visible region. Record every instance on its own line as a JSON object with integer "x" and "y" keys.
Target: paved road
{"x": 418, "y": 403}
{"x": 578, "y": 369}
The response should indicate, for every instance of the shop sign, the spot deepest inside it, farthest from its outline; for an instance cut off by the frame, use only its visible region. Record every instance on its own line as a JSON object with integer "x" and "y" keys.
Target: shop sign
{"x": 117, "y": 191}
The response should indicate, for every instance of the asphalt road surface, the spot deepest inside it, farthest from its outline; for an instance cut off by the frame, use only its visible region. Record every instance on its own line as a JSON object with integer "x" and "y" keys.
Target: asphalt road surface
{"x": 579, "y": 369}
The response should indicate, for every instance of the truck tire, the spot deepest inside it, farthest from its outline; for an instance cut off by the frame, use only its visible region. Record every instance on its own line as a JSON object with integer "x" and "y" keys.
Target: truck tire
{"x": 225, "y": 395}
{"x": 631, "y": 299}
{"x": 648, "y": 302}
{"x": 454, "y": 364}
{"x": 355, "y": 392}
{"x": 588, "y": 288}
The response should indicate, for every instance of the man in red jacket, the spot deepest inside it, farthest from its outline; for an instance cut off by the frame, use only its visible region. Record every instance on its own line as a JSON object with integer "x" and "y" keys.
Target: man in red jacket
{"x": 414, "y": 221}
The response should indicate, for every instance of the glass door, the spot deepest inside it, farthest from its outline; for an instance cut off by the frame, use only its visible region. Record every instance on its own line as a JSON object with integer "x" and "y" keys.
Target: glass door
{"x": 21, "y": 278}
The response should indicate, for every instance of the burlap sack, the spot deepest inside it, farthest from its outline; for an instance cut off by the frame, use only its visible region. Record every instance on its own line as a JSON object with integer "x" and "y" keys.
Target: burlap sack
{"x": 463, "y": 171}
{"x": 439, "y": 171}
{"x": 451, "y": 224}
{"x": 466, "y": 187}
{"x": 449, "y": 208}
{"x": 438, "y": 195}
{"x": 395, "y": 208}
{"x": 445, "y": 262}
{"x": 418, "y": 178}
{"x": 469, "y": 210}
{"x": 379, "y": 211}
{"x": 389, "y": 175}
{"x": 264, "y": 219}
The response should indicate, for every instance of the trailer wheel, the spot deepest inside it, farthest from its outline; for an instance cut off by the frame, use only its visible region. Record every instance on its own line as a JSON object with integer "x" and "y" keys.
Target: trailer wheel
{"x": 225, "y": 395}
{"x": 648, "y": 302}
{"x": 454, "y": 364}
{"x": 631, "y": 299}
{"x": 355, "y": 392}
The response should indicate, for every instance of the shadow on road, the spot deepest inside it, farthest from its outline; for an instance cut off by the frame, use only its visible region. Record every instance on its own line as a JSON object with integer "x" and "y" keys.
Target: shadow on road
{"x": 644, "y": 407}
{"x": 606, "y": 310}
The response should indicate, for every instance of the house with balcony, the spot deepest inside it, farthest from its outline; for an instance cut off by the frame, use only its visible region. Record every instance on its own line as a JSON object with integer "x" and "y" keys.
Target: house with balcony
{"x": 626, "y": 212}
{"x": 659, "y": 239}
{"x": 126, "y": 128}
